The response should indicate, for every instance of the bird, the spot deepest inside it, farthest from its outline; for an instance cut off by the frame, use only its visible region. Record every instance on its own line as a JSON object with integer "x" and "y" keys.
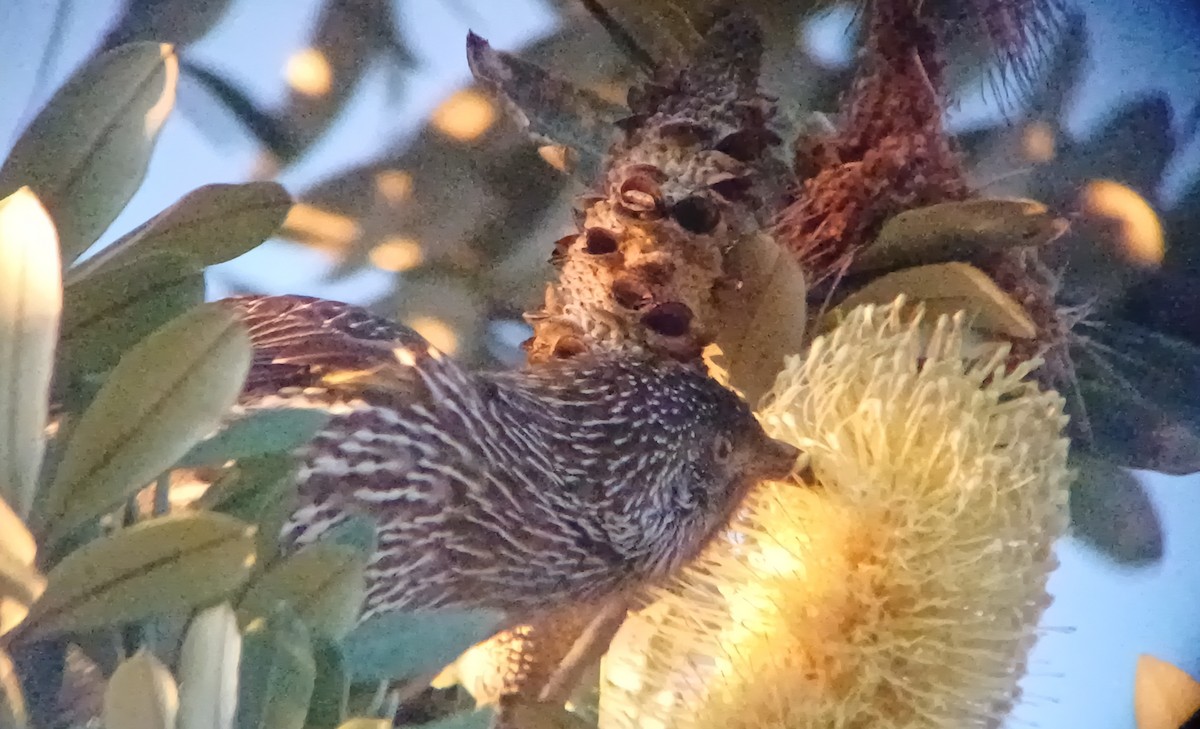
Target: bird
{"x": 566, "y": 482}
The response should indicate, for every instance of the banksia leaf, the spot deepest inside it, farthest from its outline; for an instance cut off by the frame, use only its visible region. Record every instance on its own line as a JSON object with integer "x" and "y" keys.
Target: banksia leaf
{"x": 324, "y": 583}
{"x": 20, "y": 582}
{"x": 906, "y": 590}
{"x": 107, "y": 313}
{"x": 1164, "y": 697}
{"x": 211, "y": 224}
{"x": 331, "y": 689}
{"x": 362, "y": 723}
{"x": 404, "y": 645}
{"x": 277, "y": 672}
{"x": 258, "y": 490}
{"x": 85, "y": 154}
{"x": 175, "y": 21}
{"x": 958, "y": 231}
{"x": 1111, "y": 512}
{"x": 12, "y": 700}
{"x": 208, "y": 670}
{"x": 158, "y": 566}
{"x": 259, "y": 433}
{"x": 30, "y": 306}
{"x": 141, "y": 694}
{"x": 167, "y": 393}
{"x": 471, "y": 720}
{"x": 945, "y": 288}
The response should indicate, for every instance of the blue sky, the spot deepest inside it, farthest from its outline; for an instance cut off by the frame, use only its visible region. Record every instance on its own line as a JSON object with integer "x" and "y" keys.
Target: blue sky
{"x": 1103, "y": 616}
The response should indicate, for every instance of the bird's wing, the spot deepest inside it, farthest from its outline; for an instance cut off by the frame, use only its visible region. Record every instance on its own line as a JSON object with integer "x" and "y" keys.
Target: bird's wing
{"x": 303, "y": 342}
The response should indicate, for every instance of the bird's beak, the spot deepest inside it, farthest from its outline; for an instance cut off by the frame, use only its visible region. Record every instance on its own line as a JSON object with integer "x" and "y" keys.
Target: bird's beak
{"x": 775, "y": 460}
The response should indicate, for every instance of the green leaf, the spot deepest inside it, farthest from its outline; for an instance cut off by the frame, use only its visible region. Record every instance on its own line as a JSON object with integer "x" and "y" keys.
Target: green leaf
{"x": 1135, "y": 432}
{"x": 403, "y": 645}
{"x": 958, "y": 231}
{"x": 163, "y": 565}
{"x": 324, "y": 582}
{"x": 481, "y": 719}
{"x": 1141, "y": 393}
{"x": 141, "y": 695}
{"x": 86, "y": 152}
{"x": 525, "y": 714}
{"x": 108, "y": 313}
{"x": 12, "y": 700}
{"x": 277, "y": 673}
{"x": 208, "y": 670}
{"x": 258, "y": 433}
{"x": 20, "y": 580}
{"x": 259, "y": 490}
{"x": 167, "y": 393}
{"x": 30, "y": 306}
{"x": 358, "y": 532}
{"x": 362, "y": 722}
{"x": 947, "y": 288}
{"x": 1112, "y": 513}
{"x": 211, "y": 224}
{"x": 331, "y": 689}
{"x": 175, "y": 21}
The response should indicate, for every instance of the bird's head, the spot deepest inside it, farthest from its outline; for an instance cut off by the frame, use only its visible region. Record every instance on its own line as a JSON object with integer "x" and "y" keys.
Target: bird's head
{"x": 701, "y": 450}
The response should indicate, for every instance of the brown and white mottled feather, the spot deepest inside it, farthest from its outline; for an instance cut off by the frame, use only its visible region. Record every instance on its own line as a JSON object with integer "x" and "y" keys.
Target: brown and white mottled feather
{"x": 519, "y": 491}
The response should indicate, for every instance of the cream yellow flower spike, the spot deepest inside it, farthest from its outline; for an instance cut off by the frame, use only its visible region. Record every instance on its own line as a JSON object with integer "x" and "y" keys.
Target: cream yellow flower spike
{"x": 902, "y": 592}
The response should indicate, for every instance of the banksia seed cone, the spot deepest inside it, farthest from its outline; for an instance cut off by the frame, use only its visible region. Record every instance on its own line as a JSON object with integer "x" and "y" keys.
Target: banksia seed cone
{"x": 906, "y": 590}
{"x": 690, "y": 174}
{"x": 516, "y": 491}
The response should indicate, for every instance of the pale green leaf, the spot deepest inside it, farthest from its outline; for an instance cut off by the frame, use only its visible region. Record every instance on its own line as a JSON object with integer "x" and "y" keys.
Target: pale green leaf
{"x": 109, "y": 312}
{"x": 1112, "y": 512}
{"x": 258, "y": 433}
{"x": 167, "y": 393}
{"x": 208, "y": 670}
{"x": 331, "y": 689}
{"x": 260, "y": 490}
{"x": 12, "y": 700}
{"x": 211, "y": 224}
{"x": 481, "y": 719}
{"x": 358, "y": 532}
{"x": 141, "y": 695}
{"x": 403, "y": 645}
{"x": 30, "y": 306}
{"x": 159, "y": 566}
{"x": 86, "y": 153}
{"x": 948, "y": 288}
{"x": 324, "y": 582}
{"x": 15, "y": 540}
{"x": 277, "y": 673}
{"x": 361, "y": 722}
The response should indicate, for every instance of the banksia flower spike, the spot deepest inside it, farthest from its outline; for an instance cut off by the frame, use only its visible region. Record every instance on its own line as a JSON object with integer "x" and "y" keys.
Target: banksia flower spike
{"x": 906, "y": 589}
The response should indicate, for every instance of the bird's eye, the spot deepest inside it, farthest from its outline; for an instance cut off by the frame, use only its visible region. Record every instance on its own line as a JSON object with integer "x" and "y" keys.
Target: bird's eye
{"x": 722, "y": 449}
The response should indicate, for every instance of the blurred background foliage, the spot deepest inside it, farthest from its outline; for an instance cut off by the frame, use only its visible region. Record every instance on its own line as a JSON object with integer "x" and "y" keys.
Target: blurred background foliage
{"x": 437, "y": 212}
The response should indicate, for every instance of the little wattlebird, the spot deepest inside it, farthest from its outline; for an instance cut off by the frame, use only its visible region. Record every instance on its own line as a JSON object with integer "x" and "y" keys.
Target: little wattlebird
{"x": 516, "y": 491}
